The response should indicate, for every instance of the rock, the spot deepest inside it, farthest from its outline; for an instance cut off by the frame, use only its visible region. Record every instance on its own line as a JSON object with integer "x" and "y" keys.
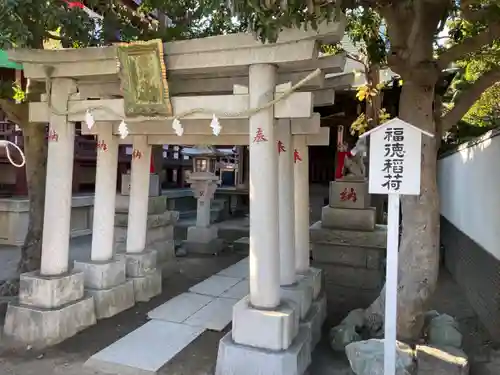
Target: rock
{"x": 443, "y": 331}
{"x": 428, "y": 316}
{"x": 355, "y": 318}
{"x": 367, "y": 358}
{"x": 441, "y": 361}
{"x": 181, "y": 252}
{"x": 343, "y": 335}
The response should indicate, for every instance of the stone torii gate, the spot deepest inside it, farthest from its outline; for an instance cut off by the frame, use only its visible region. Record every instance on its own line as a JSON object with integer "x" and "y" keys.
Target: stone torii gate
{"x": 277, "y": 325}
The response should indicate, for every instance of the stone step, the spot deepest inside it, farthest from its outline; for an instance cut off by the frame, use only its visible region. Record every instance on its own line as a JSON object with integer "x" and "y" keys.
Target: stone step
{"x": 352, "y": 277}
{"x": 370, "y": 257}
{"x": 376, "y": 238}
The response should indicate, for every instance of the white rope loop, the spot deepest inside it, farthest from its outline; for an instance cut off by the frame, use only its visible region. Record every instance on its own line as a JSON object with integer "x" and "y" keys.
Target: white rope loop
{"x": 6, "y": 145}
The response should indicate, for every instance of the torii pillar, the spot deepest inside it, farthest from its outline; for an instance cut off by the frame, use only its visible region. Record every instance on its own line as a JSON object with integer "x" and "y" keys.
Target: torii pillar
{"x": 309, "y": 275}
{"x": 52, "y": 306}
{"x": 265, "y": 338}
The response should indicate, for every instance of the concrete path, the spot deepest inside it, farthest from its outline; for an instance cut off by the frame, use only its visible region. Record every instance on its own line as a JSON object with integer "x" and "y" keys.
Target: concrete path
{"x": 207, "y": 305}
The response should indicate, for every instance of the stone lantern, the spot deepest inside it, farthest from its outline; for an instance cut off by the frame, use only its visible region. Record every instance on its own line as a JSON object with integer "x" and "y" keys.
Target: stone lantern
{"x": 202, "y": 238}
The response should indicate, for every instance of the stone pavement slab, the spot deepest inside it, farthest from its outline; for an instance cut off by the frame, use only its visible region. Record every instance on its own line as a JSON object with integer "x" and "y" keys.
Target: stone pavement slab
{"x": 145, "y": 350}
{"x": 238, "y": 270}
{"x": 240, "y": 290}
{"x": 215, "y": 316}
{"x": 215, "y": 285}
{"x": 180, "y": 308}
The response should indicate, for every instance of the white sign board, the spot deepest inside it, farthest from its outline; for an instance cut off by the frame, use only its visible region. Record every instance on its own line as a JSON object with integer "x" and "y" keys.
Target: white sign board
{"x": 395, "y": 155}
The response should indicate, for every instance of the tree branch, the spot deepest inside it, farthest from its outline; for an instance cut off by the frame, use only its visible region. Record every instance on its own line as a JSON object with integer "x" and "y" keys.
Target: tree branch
{"x": 467, "y": 99}
{"x": 481, "y": 14}
{"x": 469, "y": 45}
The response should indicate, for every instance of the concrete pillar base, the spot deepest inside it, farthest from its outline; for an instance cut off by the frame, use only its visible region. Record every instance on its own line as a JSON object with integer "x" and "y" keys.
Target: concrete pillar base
{"x": 236, "y": 359}
{"x": 265, "y": 329}
{"x": 313, "y": 277}
{"x": 212, "y": 247}
{"x": 106, "y": 282}
{"x": 165, "y": 250}
{"x": 50, "y": 309}
{"x": 320, "y": 303}
{"x": 140, "y": 264}
{"x": 50, "y": 292}
{"x": 147, "y": 287}
{"x": 112, "y": 301}
{"x": 301, "y": 294}
{"x": 202, "y": 234}
{"x": 141, "y": 269}
{"x": 310, "y": 325}
{"x": 102, "y": 275}
{"x": 201, "y": 240}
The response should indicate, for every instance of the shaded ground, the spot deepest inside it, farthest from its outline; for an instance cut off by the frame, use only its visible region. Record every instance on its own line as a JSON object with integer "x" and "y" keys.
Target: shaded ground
{"x": 68, "y": 357}
{"x": 199, "y": 357}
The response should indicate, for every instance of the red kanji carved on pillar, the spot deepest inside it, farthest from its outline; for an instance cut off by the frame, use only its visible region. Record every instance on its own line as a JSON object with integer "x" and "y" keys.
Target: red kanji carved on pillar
{"x": 348, "y": 195}
{"x": 281, "y": 147}
{"x": 53, "y": 136}
{"x": 136, "y": 154}
{"x": 102, "y": 146}
{"x": 296, "y": 156}
{"x": 259, "y": 136}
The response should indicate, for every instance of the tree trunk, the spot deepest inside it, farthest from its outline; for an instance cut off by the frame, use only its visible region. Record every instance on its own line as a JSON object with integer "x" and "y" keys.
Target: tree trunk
{"x": 419, "y": 248}
{"x": 35, "y": 148}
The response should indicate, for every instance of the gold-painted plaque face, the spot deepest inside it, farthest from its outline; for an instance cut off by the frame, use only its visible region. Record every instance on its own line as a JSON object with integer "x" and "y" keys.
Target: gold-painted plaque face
{"x": 143, "y": 79}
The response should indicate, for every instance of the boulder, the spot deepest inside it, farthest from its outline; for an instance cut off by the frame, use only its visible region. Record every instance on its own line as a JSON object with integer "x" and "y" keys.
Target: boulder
{"x": 347, "y": 331}
{"x": 428, "y": 316}
{"x": 443, "y": 331}
{"x": 355, "y": 318}
{"x": 343, "y": 335}
{"x": 441, "y": 361}
{"x": 367, "y": 358}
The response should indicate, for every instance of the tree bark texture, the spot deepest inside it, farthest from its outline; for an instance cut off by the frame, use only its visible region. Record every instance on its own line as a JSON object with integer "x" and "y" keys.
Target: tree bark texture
{"x": 419, "y": 245}
{"x": 35, "y": 148}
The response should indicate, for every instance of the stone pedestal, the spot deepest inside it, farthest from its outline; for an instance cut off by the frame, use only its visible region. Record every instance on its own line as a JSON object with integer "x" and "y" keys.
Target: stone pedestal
{"x": 349, "y": 247}
{"x": 142, "y": 271}
{"x": 160, "y": 227}
{"x": 50, "y": 309}
{"x": 106, "y": 282}
{"x": 353, "y": 264}
{"x": 202, "y": 240}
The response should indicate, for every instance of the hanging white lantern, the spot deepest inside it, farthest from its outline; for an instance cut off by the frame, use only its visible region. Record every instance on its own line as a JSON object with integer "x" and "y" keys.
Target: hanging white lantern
{"x": 123, "y": 130}
{"x": 215, "y": 125}
{"x": 89, "y": 119}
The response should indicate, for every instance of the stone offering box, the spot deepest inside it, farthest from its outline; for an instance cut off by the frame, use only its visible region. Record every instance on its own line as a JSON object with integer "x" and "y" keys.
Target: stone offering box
{"x": 349, "y": 206}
